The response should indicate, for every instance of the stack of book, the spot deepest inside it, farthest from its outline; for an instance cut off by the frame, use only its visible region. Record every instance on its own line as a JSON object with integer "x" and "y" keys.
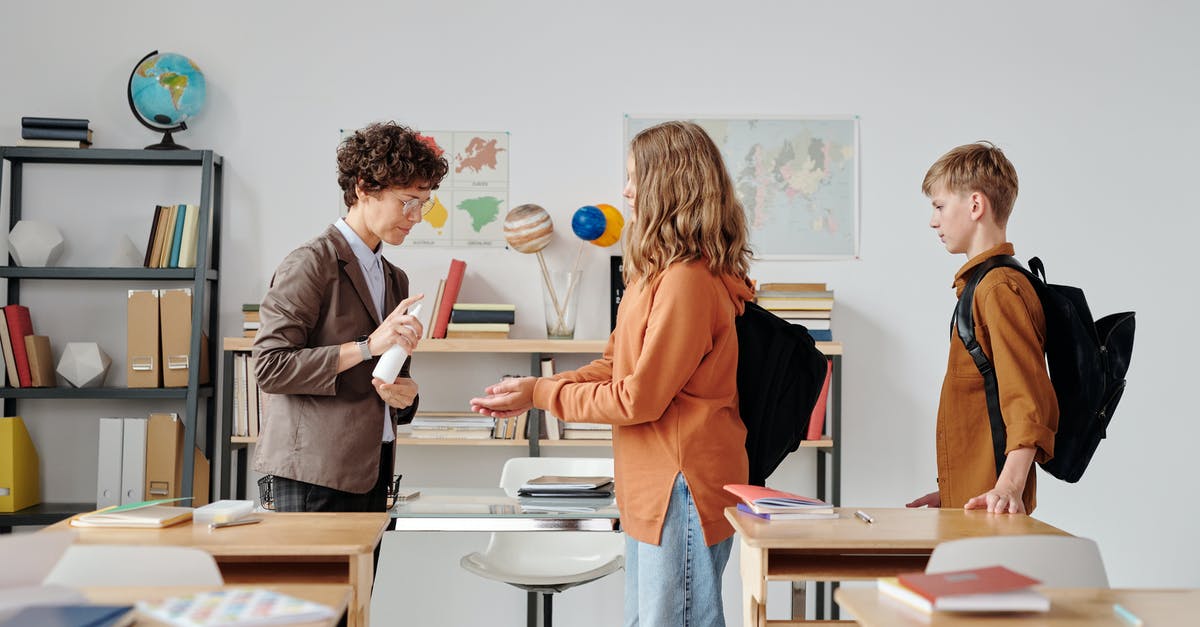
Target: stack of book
{"x": 481, "y": 320}
{"x": 250, "y": 321}
{"x": 442, "y": 426}
{"x": 990, "y": 589}
{"x": 55, "y": 133}
{"x": 772, "y": 504}
{"x": 585, "y": 431}
{"x": 809, "y": 304}
{"x": 25, "y": 358}
{"x": 174, "y": 236}
{"x": 247, "y": 397}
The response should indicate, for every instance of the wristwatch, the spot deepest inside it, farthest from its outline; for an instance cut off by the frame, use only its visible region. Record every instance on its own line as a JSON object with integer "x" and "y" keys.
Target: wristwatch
{"x": 363, "y": 343}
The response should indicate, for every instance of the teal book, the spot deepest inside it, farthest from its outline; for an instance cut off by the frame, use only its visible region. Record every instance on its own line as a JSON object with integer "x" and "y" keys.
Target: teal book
{"x": 178, "y": 239}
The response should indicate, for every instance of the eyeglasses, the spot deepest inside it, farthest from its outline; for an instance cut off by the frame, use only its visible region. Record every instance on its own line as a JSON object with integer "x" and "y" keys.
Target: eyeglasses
{"x": 413, "y": 204}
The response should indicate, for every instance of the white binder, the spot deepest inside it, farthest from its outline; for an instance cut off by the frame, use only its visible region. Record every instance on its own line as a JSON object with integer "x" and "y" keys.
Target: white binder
{"x": 108, "y": 467}
{"x": 133, "y": 461}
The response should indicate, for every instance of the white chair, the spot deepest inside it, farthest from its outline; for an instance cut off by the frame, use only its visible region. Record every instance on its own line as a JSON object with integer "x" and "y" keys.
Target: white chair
{"x": 1058, "y": 561}
{"x": 543, "y": 563}
{"x": 129, "y": 565}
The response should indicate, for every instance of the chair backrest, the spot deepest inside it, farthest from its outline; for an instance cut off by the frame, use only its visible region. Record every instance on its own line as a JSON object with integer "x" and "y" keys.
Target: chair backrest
{"x": 1057, "y": 561}
{"x": 127, "y": 565}
{"x": 518, "y": 470}
{"x": 547, "y": 554}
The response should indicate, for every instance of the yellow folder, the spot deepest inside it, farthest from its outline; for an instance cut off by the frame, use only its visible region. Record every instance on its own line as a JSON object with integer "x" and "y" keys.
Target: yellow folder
{"x": 20, "y": 483}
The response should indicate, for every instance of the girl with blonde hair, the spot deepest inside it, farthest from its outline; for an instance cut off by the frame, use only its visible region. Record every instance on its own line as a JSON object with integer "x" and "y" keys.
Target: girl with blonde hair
{"x": 667, "y": 381}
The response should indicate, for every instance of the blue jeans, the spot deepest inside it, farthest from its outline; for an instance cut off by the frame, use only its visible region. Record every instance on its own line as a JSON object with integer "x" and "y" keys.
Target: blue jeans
{"x": 678, "y": 583}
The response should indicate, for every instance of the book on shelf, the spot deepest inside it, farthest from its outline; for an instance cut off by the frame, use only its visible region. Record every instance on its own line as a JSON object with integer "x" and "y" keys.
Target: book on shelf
{"x": 41, "y": 361}
{"x": 479, "y": 327}
{"x": 792, "y": 287}
{"x": 763, "y": 500}
{"x": 10, "y": 362}
{"x": 476, "y": 335}
{"x": 53, "y": 143}
{"x": 744, "y": 508}
{"x": 235, "y": 606}
{"x": 988, "y": 589}
{"x": 462, "y": 313}
{"x": 551, "y": 422}
{"x": 454, "y": 279}
{"x": 72, "y": 134}
{"x": 190, "y": 235}
{"x": 166, "y": 233}
{"x": 775, "y": 303}
{"x": 19, "y": 325}
{"x": 437, "y": 306}
{"x": 48, "y": 122}
{"x": 816, "y": 421}
{"x": 177, "y": 237}
{"x": 143, "y": 515}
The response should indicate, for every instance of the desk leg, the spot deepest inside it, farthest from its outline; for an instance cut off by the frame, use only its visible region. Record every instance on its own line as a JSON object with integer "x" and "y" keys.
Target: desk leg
{"x": 753, "y": 564}
{"x": 362, "y": 576}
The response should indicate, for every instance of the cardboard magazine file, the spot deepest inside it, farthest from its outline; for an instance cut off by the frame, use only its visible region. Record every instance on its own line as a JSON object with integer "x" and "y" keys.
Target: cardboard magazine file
{"x": 19, "y": 479}
{"x": 142, "y": 369}
{"x": 164, "y": 461}
{"x": 175, "y": 318}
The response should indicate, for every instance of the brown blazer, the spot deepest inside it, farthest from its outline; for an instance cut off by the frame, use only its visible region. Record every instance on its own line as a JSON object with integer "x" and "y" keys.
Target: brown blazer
{"x": 320, "y": 426}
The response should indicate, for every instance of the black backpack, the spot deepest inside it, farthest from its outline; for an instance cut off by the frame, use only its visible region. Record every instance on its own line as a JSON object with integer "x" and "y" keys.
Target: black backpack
{"x": 1087, "y": 362}
{"x": 780, "y": 373}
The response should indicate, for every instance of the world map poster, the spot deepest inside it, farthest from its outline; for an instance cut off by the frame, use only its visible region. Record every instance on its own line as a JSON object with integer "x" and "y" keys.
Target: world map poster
{"x": 797, "y": 179}
{"x": 470, "y": 205}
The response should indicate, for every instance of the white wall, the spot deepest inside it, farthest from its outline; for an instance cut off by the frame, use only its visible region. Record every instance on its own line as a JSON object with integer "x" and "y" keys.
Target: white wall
{"x": 1095, "y": 103}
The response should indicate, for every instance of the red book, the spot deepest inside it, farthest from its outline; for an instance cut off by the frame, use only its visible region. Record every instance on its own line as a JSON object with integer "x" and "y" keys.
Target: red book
{"x": 816, "y": 422}
{"x": 454, "y": 280}
{"x": 19, "y": 325}
{"x": 960, "y": 582}
{"x": 769, "y": 500}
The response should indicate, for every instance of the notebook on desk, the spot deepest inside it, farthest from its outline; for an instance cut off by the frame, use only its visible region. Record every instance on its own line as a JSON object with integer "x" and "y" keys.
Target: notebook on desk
{"x": 558, "y": 486}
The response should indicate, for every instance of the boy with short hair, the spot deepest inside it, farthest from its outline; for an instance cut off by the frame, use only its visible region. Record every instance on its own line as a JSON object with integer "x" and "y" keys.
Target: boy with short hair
{"x": 972, "y": 189}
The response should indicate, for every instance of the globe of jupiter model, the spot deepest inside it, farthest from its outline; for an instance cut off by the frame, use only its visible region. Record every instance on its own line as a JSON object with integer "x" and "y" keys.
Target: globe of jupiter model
{"x": 528, "y": 228}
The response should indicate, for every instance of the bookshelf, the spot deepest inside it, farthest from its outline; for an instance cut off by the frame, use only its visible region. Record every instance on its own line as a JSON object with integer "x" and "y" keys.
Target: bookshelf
{"x": 828, "y": 459}
{"x": 203, "y": 280}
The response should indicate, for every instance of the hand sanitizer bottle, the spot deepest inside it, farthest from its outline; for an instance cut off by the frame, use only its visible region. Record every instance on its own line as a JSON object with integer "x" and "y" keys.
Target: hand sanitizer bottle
{"x": 393, "y": 358}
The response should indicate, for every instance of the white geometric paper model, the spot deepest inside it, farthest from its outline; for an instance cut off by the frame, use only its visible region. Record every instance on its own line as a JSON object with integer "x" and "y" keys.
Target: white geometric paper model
{"x": 83, "y": 364}
{"x": 35, "y": 244}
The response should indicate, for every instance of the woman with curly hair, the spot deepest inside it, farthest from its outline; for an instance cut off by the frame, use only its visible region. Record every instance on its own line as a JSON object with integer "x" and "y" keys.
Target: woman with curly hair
{"x": 333, "y": 306}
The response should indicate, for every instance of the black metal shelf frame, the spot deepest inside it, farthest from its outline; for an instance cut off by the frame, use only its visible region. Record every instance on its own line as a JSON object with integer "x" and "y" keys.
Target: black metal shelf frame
{"x": 203, "y": 278}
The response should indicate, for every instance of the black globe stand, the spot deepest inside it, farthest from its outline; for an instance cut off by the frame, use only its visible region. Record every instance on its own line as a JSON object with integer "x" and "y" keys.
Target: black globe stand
{"x": 168, "y": 142}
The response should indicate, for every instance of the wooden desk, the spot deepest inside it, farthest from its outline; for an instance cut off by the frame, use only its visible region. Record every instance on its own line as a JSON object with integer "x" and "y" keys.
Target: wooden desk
{"x": 283, "y": 549}
{"x": 1074, "y": 607}
{"x": 848, "y": 549}
{"x": 336, "y": 596}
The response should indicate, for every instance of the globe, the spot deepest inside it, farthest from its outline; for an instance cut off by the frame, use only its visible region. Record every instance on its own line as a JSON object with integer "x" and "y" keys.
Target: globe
{"x": 165, "y": 91}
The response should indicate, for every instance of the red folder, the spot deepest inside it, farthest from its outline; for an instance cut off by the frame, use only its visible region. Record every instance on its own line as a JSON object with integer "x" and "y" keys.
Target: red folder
{"x": 19, "y": 325}
{"x": 454, "y": 281}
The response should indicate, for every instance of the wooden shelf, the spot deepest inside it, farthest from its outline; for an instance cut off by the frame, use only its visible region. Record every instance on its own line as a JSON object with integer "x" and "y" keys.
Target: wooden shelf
{"x": 570, "y": 443}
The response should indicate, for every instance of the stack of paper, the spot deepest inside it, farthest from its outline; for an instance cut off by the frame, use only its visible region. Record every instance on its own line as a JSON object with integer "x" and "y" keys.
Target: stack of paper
{"x": 772, "y": 504}
{"x": 991, "y": 589}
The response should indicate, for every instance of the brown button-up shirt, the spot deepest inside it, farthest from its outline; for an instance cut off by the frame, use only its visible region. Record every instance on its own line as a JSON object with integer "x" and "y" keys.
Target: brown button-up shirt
{"x": 1011, "y": 329}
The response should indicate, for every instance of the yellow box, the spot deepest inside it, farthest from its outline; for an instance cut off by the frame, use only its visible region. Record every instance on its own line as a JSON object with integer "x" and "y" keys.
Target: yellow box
{"x": 20, "y": 482}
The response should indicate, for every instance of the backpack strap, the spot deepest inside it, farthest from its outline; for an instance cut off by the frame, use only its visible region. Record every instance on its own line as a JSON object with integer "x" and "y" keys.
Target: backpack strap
{"x": 964, "y": 324}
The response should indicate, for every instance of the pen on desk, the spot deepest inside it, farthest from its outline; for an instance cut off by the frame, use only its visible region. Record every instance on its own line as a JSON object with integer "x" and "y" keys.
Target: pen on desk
{"x": 1126, "y": 615}
{"x": 233, "y": 523}
{"x": 863, "y": 516}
